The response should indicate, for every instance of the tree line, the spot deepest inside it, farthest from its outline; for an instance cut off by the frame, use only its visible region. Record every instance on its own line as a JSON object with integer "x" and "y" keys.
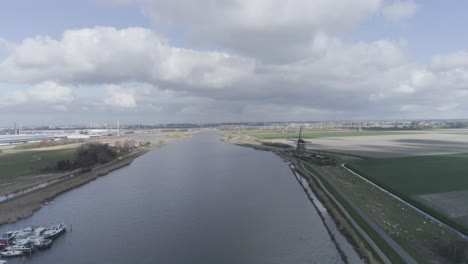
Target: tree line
{"x": 90, "y": 154}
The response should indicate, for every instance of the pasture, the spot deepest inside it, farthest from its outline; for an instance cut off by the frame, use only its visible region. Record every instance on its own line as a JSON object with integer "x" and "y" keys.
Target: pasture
{"x": 403, "y": 144}
{"x": 316, "y": 133}
{"x": 437, "y": 184}
{"x": 15, "y": 163}
{"x": 417, "y": 175}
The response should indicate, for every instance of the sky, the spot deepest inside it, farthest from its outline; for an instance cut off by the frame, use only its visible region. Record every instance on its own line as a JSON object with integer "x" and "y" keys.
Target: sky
{"x": 159, "y": 61}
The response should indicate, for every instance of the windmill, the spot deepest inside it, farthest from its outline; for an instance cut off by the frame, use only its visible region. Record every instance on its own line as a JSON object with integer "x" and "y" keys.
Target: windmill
{"x": 301, "y": 144}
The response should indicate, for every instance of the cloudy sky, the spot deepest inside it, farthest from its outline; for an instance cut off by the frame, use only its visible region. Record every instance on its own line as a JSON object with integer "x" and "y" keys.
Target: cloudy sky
{"x": 158, "y": 61}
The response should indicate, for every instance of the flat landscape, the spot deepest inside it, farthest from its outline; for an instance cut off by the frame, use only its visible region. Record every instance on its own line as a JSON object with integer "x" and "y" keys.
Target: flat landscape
{"x": 417, "y": 175}
{"x": 318, "y": 133}
{"x": 395, "y": 144}
{"x": 18, "y": 162}
{"x": 22, "y": 168}
{"x": 437, "y": 182}
{"x": 428, "y": 168}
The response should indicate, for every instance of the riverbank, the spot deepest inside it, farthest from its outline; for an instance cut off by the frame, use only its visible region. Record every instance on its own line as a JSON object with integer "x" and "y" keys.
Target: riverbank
{"x": 343, "y": 222}
{"x": 23, "y": 206}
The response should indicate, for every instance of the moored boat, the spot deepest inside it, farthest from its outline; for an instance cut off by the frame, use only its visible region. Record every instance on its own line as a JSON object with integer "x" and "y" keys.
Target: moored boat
{"x": 41, "y": 242}
{"x": 26, "y": 241}
{"x": 27, "y": 248}
{"x": 3, "y": 261}
{"x": 22, "y": 241}
{"x": 54, "y": 231}
{"x": 39, "y": 231}
{"x": 23, "y": 233}
{"x": 11, "y": 253}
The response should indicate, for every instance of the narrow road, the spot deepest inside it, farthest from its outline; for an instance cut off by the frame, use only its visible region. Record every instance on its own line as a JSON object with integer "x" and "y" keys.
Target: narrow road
{"x": 395, "y": 246}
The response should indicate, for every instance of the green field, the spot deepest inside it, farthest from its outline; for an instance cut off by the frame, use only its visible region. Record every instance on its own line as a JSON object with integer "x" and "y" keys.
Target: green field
{"x": 436, "y": 184}
{"x": 417, "y": 175}
{"x": 14, "y": 163}
{"x": 317, "y": 133}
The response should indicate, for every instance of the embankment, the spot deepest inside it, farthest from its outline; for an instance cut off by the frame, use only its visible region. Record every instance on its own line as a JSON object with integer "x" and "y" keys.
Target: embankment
{"x": 25, "y": 205}
{"x": 360, "y": 244}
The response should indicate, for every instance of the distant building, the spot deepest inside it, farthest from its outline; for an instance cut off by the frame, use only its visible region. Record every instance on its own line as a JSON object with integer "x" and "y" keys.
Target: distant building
{"x": 19, "y": 139}
{"x": 81, "y": 136}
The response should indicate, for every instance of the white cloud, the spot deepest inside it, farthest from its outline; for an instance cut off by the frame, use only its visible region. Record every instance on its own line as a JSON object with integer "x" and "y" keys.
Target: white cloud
{"x": 50, "y": 92}
{"x": 270, "y": 30}
{"x": 447, "y": 62}
{"x": 259, "y": 15}
{"x": 60, "y": 107}
{"x": 120, "y": 97}
{"x": 138, "y": 71}
{"x": 400, "y": 9}
{"x": 447, "y": 107}
{"x": 104, "y": 54}
{"x": 46, "y": 92}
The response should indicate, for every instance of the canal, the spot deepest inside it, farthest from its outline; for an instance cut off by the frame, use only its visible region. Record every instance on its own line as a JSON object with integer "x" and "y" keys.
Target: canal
{"x": 197, "y": 200}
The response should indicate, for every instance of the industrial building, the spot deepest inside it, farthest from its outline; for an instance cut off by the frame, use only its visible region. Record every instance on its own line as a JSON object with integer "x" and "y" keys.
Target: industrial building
{"x": 17, "y": 139}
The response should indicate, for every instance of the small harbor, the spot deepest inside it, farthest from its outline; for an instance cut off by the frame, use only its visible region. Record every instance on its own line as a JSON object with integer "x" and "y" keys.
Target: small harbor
{"x": 24, "y": 243}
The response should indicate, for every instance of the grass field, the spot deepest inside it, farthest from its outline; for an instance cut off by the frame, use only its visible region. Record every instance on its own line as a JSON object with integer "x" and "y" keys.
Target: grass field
{"x": 316, "y": 133}
{"x": 417, "y": 175}
{"x": 436, "y": 184}
{"x": 15, "y": 163}
{"x": 399, "y": 222}
{"x": 388, "y": 251}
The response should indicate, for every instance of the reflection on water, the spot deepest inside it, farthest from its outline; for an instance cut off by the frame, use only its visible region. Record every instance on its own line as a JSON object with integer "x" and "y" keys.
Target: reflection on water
{"x": 198, "y": 200}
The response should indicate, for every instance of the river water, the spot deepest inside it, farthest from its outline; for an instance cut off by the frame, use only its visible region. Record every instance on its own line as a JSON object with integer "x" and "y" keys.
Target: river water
{"x": 198, "y": 200}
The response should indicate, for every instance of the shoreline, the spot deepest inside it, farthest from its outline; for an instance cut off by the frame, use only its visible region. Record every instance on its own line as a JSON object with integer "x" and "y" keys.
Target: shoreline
{"x": 25, "y": 205}
{"x": 342, "y": 223}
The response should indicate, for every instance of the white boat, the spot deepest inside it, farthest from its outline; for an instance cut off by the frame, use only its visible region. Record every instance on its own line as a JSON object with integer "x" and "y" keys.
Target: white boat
{"x": 11, "y": 253}
{"x": 22, "y": 248}
{"x": 41, "y": 242}
{"x": 3, "y": 261}
{"x": 54, "y": 231}
{"x": 23, "y": 233}
{"x": 38, "y": 231}
{"x": 22, "y": 241}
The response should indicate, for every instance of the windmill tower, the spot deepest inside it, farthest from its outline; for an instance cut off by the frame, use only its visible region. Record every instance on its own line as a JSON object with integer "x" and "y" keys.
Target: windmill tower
{"x": 118, "y": 127}
{"x": 301, "y": 145}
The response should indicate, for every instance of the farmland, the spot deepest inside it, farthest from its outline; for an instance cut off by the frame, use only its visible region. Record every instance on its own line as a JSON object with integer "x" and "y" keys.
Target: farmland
{"x": 17, "y": 163}
{"x": 417, "y": 175}
{"x": 387, "y": 146}
{"x": 425, "y": 240}
{"x": 427, "y": 168}
{"x": 437, "y": 184}
{"x": 316, "y": 133}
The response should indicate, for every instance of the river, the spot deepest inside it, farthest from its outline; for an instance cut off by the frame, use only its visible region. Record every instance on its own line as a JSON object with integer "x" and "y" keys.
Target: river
{"x": 197, "y": 200}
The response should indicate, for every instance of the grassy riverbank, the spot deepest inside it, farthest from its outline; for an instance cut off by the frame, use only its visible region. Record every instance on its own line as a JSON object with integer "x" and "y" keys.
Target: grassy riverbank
{"x": 359, "y": 243}
{"x": 15, "y": 163}
{"x": 25, "y": 205}
{"x": 436, "y": 184}
{"x": 424, "y": 240}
